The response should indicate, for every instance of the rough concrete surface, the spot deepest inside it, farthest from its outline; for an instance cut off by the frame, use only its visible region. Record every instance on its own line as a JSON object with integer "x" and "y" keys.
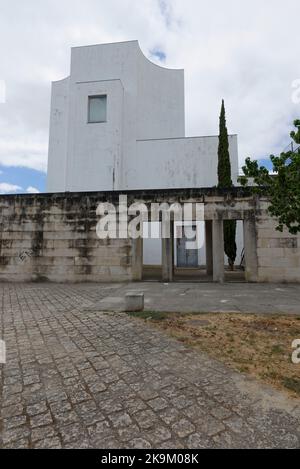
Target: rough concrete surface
{"x": 77, "y": 377}
{"x": 208, "y": 297}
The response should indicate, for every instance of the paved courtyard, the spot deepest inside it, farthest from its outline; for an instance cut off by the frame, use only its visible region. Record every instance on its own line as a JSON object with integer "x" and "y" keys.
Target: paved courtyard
{"x": 77, "y": 376}
{"x": 207, "y": 297}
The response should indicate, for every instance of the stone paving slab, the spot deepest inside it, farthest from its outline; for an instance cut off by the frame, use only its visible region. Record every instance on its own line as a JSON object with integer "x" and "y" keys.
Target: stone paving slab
{"x": 209, "y": 297}
{"x": 80, "y": 378}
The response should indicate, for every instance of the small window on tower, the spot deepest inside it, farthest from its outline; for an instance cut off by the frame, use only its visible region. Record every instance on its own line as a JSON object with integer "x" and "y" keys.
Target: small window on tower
{"x": 97, "y": 109}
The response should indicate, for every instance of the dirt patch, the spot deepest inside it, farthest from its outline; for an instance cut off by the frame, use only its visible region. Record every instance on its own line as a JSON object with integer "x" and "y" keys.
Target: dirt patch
{"x": 258, "y": 345}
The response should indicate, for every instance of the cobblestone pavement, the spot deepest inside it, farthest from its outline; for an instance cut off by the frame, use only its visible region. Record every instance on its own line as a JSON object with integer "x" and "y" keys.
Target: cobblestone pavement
{"x": 79, "y": 378}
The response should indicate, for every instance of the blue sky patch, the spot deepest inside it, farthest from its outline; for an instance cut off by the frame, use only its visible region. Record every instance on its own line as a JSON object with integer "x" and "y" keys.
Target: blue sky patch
{"x": 23, "y": 178}
{"x": 266, "y": 162}
{"x": 159, "y": 54}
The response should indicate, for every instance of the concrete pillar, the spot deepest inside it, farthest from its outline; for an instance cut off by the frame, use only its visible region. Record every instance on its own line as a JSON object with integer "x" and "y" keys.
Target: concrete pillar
{"x": 208, "y": 247}
{"x": 168, "y": 256}
{"x": 250, "y": 246}
{"x": 137, "y": 259}
{"x": 218, "y": 250}
{"x": 134, "y": 301}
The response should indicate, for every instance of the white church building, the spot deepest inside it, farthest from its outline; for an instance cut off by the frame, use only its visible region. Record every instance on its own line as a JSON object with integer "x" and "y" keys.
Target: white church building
{"x": 118, "y": 123}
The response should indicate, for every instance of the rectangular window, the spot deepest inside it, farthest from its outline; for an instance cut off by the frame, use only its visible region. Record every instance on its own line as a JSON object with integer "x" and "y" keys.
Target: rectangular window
{"x": 97, "y": 109}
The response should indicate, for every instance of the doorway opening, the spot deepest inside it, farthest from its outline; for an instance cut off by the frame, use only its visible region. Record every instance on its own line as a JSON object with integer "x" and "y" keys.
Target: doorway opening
{"x": 152, "y": 251}
{"x": 190, "y": 255}
{"x": 190, "y": 252}
{"x": 238, "y": 272}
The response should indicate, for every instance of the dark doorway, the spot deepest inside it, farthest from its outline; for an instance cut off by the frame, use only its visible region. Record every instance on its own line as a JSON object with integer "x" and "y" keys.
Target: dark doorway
{"x": 187, "y": 257}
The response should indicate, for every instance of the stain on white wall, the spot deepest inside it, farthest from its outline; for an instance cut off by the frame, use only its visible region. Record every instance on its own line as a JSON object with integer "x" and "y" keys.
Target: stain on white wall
{"x": 142, "y": 144}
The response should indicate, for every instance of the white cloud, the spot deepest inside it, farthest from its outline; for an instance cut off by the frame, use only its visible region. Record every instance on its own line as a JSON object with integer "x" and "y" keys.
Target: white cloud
{"x": 243, "y": 52}
{"x": 32, "y": 190}
{"x": 6, "y": 188}
{"x": 23, "y": 152}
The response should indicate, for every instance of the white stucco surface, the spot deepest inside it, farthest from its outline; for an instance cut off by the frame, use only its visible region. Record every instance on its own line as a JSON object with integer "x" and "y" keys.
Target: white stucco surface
{"x": 143, "y": 101}
{"x": 58, "y": 141}
{"x": 178, "y": 163}
{"x": 94, "y": 149}
{"x": 142, "y": 144}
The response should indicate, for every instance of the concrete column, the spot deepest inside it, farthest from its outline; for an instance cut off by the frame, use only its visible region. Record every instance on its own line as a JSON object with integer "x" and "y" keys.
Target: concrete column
{"x": 168, "y": 256}
{"x": 250, "y": 246}
{"x": 218, "y": 250}
{"x": 137, "y": 259}
{"x": 208, "y": 247}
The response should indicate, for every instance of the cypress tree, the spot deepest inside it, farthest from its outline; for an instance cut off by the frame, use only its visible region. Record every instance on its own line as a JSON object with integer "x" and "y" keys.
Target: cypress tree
{"x": 225, "y": 182}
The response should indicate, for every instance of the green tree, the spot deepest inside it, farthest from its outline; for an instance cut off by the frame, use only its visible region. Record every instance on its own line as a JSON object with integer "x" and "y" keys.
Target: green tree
{"x": 296, "y": 135}
{"x": 225, "y": 182}
{"x": 282, "y": 186}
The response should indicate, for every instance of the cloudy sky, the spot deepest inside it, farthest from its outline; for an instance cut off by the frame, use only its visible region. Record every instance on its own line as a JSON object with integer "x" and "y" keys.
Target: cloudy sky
{"x": 245, "y": 52}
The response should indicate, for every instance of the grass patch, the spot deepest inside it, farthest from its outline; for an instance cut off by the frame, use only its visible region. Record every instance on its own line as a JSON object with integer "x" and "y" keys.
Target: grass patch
{"x": 149, "y": 315}
{"x": 277, "y": 349}
{"x": 259, "y": 345}
{"x": 293, "y": 384}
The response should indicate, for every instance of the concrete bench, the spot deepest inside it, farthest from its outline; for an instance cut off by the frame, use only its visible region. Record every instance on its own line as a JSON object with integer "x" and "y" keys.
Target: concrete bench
{"x": 134, "y": 301}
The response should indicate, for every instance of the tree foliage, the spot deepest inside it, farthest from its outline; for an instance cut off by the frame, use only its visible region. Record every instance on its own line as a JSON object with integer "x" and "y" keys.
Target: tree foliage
{"x": 229, "y": 241}
{"x": 225, "y": 182}
{"x": 224, "y": 166}
{"x": 282, "y": 185}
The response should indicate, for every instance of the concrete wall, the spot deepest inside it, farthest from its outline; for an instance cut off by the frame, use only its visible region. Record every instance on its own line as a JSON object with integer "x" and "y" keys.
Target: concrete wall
{"x": 152, "y": 247}
{"x": 179, "y": 163}
{"x": 278, "y": 253}
{"x": 58, "y": 140}
{"x": 95, "y": 150}
{"x": 53, "y": 236}
{"x": 142, "y": 145}
{"x": 160, "y": 100}
{"x": 144, "y": 101}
